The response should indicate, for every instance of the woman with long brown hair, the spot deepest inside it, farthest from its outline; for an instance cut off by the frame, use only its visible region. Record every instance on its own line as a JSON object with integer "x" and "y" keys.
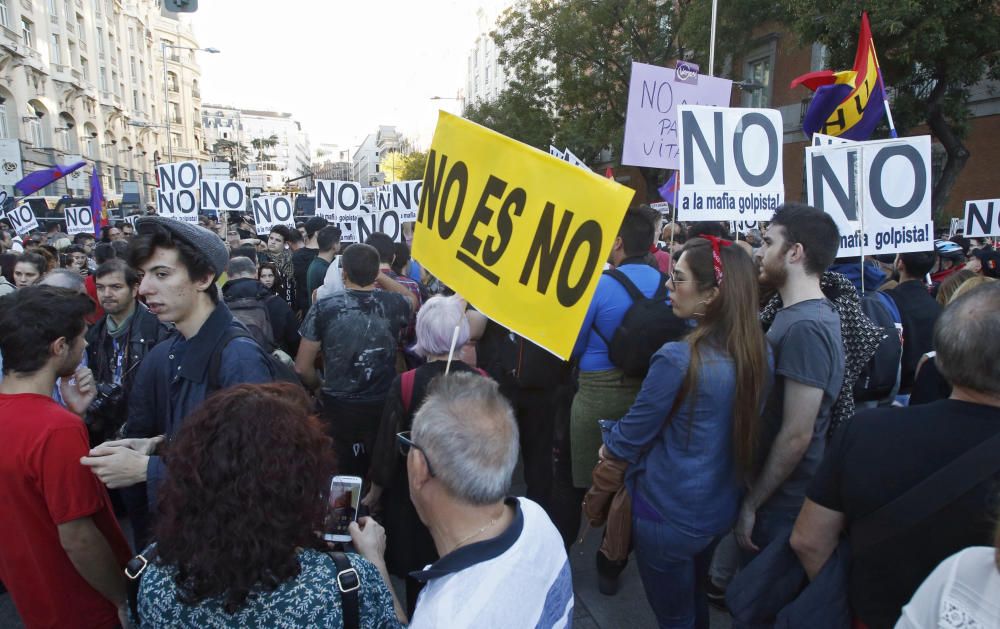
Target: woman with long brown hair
{"x": 691, "y": 434}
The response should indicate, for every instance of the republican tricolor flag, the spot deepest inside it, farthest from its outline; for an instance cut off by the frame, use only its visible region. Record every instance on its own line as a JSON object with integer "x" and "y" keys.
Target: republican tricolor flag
{"x": 97, "y": 203}
{"x": 847, "y": 104}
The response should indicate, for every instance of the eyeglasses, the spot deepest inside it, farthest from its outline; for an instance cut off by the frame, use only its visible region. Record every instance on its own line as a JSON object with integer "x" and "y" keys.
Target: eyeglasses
{"x": 673, "y": 280}
{"x": 405, "y": 444}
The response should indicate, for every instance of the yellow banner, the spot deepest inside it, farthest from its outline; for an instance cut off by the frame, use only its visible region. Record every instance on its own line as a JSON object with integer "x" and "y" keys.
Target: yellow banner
{"x": 522, "y": 235}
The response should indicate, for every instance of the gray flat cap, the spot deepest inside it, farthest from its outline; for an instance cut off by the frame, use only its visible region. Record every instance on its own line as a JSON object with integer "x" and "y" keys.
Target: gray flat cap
{"x": 203, "y": 240}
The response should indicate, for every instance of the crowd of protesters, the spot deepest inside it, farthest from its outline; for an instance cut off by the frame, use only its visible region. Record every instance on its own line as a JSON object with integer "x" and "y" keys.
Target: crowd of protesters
{"x": 794, "y": 437}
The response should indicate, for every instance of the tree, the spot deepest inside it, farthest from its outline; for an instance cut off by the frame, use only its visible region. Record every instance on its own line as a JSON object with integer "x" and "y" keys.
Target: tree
{"x": 262, "y": 144}
{"x": 570, "y": 63}
{"x": 413, "y": 167}
{"x": 392, "y": 165}
{"x": 233, "y": 152}
{"x": 931, "y": 52}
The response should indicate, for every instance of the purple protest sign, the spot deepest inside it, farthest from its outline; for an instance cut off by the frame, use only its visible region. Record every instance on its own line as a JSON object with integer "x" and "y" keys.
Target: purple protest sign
{"x": 651, "y": 121}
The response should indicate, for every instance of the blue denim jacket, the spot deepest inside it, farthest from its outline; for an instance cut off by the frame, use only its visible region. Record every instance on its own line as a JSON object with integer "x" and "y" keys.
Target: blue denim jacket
{"x": 683, "y": 473}
{"x": 173, "y": 381}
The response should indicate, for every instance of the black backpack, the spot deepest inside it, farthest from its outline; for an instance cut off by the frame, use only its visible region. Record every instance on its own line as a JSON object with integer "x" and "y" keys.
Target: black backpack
{"x": 280, "y": 372}
{"x": 513, "y": 360}
{"x": 880, "y": 377}
{"x": 647, "y": 325}
{"x": 253, "y": 314}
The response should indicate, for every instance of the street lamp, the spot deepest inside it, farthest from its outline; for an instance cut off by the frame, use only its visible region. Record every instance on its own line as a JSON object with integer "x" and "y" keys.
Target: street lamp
{"x": 166, "y": 96}
{"x": 460, "y": 99}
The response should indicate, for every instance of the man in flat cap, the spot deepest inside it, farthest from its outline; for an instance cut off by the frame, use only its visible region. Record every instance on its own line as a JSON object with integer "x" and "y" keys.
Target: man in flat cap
{"x": 179, "y": 264}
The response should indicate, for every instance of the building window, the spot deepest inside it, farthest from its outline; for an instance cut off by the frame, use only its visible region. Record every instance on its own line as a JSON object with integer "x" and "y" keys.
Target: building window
{"x": 102, "y": 78}
{"x": 4, "y": 131}
{"x": 131, "y": 37}
{"x": 4, "y": 14}
{"x": 55, "y": 49}
{"x": 172, "y": 82}
{"x": 28, "y": 33}
{"x": 135, "y": 100}
{"x": 35, "y": 131}
{"x": 759, "y": 75}
{"x": 85, "y": 67}
{"x": 100, "y": 40}
{"x": 53, "y": 7}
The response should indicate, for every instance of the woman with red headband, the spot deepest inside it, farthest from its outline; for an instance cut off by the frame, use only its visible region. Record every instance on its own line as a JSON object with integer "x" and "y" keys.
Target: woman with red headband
{"x": 689, "y": 438}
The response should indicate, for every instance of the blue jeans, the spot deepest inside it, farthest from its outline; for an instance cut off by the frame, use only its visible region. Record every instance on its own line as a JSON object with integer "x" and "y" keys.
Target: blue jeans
{"x": 673, "y": 566}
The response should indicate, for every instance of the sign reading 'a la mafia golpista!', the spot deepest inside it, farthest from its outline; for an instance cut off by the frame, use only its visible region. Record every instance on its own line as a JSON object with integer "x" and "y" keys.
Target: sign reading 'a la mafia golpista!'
{"x": 522, "y": 235}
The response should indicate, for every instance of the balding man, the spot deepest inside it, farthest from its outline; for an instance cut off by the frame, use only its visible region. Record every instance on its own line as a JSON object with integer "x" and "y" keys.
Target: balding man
{"x": 502, "y": 561}
{"x": 881, "y": 455}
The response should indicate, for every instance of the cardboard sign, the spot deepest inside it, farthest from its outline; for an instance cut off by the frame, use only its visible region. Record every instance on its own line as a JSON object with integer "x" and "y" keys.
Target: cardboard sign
{"x": 22, "y": 219}
{"x": 730, "y": 167}
{"x": 387, "y": 222}
{"x": 10, "y": 162}
{"x": 878, "y": 193}
{"x": 177, "y": 195}
{"x": 223, "y": 195}
{"x": 819, "y": 139}
{"x": 406, "y": 199}
{"x": 79, "y": 220}
{"x": 521, "y": 235}
{"x": 270, "y": 211}
{"x": 334, "y": 198}
{"x": 654, "y": 95}
{"x": 982, "y": 218}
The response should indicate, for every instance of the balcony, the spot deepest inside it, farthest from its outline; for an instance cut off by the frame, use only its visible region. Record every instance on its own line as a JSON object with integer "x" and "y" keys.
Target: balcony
{"x": 70, "y": 26}
{"x": 176, "y": 120}
{"x": 54, "y": 19}
{"x": 83, "y": 44}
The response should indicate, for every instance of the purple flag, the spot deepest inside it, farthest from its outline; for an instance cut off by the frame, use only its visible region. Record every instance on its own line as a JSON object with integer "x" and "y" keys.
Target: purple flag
{"x": 668, "y": 191}
{"x": 33, "y": 182}
{"x": 97, "y": 202}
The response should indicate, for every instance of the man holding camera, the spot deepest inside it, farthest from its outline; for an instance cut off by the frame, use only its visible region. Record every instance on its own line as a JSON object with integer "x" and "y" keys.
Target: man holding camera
{"x": 117, "y": 344}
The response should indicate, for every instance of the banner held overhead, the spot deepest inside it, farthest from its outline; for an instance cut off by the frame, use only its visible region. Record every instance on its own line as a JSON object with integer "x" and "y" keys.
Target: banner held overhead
{"x": 522, "y": 235}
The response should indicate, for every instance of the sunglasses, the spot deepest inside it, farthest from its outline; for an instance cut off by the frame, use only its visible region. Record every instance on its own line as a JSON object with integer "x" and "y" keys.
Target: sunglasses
{"x": 406, "y": 444}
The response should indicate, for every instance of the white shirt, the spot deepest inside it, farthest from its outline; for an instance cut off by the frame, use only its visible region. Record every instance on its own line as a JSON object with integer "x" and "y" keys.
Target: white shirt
{"x": 963, "y": 591}
{"x": 519, "y": 579}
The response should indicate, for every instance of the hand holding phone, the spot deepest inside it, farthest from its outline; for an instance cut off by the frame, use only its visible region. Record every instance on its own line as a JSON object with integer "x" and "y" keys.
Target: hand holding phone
{"x": 342, "y": 509}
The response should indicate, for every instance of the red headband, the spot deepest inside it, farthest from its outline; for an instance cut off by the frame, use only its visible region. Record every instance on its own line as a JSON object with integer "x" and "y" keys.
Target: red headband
{"x": 716, "y": 256}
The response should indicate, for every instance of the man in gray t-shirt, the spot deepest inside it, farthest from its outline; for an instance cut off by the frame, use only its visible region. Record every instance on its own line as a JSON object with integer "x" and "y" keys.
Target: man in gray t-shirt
{"x": 799, "y": 245}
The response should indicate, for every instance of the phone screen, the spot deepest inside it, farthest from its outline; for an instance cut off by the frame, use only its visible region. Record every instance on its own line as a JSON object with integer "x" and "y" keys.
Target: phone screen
{"x": 345, "y": 495}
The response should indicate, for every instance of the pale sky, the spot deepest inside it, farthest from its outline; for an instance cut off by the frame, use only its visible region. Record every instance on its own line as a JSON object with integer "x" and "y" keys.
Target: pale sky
{"x": 340, "y": 67}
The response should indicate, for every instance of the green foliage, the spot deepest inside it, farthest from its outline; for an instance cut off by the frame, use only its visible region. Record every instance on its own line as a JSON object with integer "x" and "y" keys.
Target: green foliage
{"x": 392, "y": 165}
{"x": 413, "y": 166}
{"x": 734, "y": 23}
{"x": 931, "y": 53}
{"x": 522, "y": 112}
{"x": 571, "y": 61}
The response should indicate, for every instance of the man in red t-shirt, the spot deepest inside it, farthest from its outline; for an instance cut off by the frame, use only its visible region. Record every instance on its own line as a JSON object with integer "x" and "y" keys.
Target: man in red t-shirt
{"x": 61, "y": 550}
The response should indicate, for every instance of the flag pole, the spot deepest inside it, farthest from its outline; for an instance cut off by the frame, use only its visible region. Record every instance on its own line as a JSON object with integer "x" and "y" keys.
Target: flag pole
{"x": 885, "y": 95}
{"x": 711, "y": 44}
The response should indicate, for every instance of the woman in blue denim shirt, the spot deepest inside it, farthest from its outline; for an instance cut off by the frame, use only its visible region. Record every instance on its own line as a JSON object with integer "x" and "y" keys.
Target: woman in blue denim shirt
{"x": 690, "y": 436}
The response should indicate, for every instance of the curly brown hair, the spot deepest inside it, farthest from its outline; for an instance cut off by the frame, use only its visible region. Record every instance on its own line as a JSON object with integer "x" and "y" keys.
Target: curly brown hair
{"x": 248, "y": 482}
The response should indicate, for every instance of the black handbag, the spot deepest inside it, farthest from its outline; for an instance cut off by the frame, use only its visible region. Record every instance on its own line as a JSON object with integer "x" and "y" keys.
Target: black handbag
{"x": 773, "y": 590}
{"x": 348, "y": 584}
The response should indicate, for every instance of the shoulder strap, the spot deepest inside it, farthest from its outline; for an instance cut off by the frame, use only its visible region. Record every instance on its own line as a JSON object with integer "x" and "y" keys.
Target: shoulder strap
{"x": 348, "y": 584}
{"x": 134, "y": 569}
{"x": 930, "y": 496}
{"x": 890, "y": 304}
{"x": 406, "y": 386}
{"x": 633, "y": 291}
{"x": 215, "y": 362}
{"x": 482, "y": 372}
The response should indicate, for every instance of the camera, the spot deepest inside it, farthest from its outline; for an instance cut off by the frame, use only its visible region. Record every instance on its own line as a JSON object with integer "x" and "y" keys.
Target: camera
{"x": 108, "y": 396}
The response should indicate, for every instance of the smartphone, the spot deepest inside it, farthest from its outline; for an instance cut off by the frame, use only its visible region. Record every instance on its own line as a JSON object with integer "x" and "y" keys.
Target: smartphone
{"x": 345, "y": 495}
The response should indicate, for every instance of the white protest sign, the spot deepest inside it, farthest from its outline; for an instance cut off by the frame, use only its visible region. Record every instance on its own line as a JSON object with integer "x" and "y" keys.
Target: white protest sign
{"x": 270, "y": 211}
{"x": 662, "y": 207}
{"x": 982, "y": 218}
{"x": 215, "y": 170}
{"x": 953, "y": 226}
{"x": 334, "y": 197}
{"x": 131, "y": 219}
{"x": 22, "y": 219}
{"x": 878, "y": 193}
{"x": 654, "y": 95}
{"x": 406, "y": 199}
{"x": 177, "y": 195}
{"x": 10, "y": 162}
{"x": 730, "y": 167}
{"x": 76, "y": 181}
{"x": 386, "y": 221}
{"x": 79, "y": 220}
{"x": 742, "y": 227}
{"x": 348, "y": 233}
{"x": 576, "y": 161}
{"x": 818, "y": 139}
{"x": 223, "y": 195}
{"x": 553, "y": 151}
